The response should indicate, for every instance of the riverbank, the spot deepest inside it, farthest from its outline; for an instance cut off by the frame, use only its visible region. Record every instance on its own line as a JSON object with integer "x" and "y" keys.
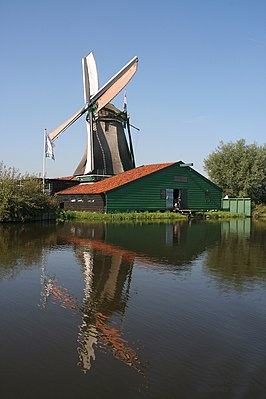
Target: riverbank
{"x": 130, "y": 216}
{"x": 63, "y": 216}
{"x": 259, "y": 213}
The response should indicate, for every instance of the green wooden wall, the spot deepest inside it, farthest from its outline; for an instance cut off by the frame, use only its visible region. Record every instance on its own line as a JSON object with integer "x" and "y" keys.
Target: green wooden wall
{"x": 147, "y": 193}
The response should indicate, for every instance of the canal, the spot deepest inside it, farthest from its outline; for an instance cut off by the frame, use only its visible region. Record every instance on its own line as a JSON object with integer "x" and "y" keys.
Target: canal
{"x": 146, "y": 310}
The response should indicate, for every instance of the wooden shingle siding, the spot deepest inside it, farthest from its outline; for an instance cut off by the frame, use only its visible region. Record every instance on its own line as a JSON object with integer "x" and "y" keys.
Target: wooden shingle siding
{"x": 146, "y": 193}
{"x": 78, "y": 202}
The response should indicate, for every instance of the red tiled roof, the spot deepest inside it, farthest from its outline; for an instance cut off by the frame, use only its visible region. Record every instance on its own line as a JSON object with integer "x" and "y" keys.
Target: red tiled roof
{"x": 115, "y": 181}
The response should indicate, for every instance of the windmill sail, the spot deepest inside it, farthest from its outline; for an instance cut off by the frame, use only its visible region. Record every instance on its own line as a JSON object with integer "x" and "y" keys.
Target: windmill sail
{"x": 115, "y": 85}
{"x": 90, "y": 77}
{"x": 90, "y": 87}
{"x": 55, "y": 133}
{"x": 107, "y": 151}
{"x": 89, "y": 148}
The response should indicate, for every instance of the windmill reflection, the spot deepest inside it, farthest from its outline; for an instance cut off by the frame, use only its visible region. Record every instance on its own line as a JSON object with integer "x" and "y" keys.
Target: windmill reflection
{"x": 107, "y": 274}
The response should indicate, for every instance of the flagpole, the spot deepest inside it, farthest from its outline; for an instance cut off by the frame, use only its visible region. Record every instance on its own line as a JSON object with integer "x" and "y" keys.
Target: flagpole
{"x": 44, "y": 159}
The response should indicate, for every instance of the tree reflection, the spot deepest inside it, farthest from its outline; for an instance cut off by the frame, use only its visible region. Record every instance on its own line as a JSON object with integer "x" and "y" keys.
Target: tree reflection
{"x": 21, "y": 246}
{"x": 239, "y": 257}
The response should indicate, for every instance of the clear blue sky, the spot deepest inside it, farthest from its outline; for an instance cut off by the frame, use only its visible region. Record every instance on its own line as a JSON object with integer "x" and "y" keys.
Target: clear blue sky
{"x": 201, "y": 76}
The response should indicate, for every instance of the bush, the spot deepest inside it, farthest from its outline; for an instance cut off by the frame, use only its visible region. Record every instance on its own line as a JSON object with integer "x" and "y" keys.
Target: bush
{"x": 259, "y": 212}
{"x": 22, "y": 197}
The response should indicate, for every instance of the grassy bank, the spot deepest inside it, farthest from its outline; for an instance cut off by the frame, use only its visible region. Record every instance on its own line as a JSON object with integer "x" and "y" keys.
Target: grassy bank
{"x": 130, "y": 216}
{"x": 140, "y": 216}
{"x": 220, "y": 215}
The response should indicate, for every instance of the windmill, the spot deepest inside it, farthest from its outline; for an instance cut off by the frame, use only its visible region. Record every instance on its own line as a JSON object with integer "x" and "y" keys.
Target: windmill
{"x": 107, "y": 152}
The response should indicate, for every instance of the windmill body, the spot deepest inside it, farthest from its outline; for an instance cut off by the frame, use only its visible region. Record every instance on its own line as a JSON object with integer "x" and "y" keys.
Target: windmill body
{"x": 107, "y": 151}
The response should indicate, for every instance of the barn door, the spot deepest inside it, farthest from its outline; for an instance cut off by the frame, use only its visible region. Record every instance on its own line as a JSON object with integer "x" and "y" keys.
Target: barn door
{"x": 183, "y": 195}
{"x": 169, "y": 198}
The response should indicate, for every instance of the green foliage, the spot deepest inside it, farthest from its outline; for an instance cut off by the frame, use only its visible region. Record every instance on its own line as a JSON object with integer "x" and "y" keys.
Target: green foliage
{"x": 259, "y": 212}
{"x": 63, "y": 216}
{"x": 239, "y": 169}
{"x": 21, "y": 197}
{"x": 78, "y": 215}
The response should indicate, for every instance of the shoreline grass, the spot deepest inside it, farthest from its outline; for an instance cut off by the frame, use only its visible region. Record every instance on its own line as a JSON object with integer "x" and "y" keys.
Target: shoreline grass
{"x": 63, "y": 216}
{"x": 129, "y": 216}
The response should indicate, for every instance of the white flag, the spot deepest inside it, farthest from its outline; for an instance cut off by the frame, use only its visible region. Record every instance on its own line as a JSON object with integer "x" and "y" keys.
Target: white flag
{"x": 125, "y": 102}
{"x": 49, "y": 148}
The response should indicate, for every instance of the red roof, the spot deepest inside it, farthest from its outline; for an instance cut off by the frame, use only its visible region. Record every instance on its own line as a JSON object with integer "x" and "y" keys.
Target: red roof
{"x": 115, "y": 181}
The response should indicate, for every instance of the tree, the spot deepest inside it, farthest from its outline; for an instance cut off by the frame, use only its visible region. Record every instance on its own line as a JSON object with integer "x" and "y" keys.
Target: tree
{"x": 21, "y": 196}
{"x": 239, "y": 169}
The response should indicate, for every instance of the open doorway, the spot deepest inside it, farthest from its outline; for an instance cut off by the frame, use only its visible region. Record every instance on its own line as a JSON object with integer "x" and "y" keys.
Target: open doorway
{"x": 177, "y": 199}
{"x": 180, "y": 198}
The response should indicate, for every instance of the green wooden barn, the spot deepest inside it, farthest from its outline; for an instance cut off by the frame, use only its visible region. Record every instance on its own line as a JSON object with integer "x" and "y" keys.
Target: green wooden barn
{"x": 155, "y": 187}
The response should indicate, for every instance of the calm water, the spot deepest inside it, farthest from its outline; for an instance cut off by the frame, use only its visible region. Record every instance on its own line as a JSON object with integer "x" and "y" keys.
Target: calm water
{"x": 133, "y": 311}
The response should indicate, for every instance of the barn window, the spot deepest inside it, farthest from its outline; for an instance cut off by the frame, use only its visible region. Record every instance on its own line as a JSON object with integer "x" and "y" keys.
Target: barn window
{"x": 182, "y": 179}
{"x": 207, "y": 196}
{"x": 163, "y": 194}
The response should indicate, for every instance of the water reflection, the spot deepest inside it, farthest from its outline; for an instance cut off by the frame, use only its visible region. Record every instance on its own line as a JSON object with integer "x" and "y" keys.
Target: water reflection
{"x": 107, "y": 269}
{"x": 107, "y": 273}
{"x": 233, "y": 249}
{"x": 21, "y": 246}
{"x": 106, "y": 284}
{"x": 232, "y": 252}
{"x": 238, "y": 260}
